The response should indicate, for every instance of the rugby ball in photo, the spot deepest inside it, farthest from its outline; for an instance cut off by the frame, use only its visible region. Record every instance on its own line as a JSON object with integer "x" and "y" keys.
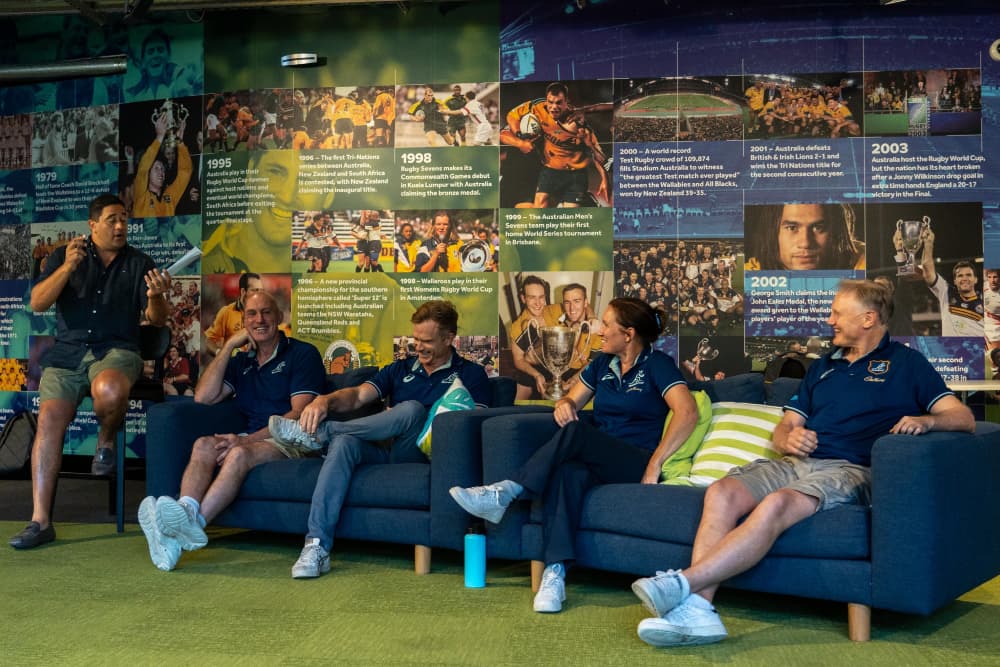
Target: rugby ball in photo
{"x": 529, "y": 126}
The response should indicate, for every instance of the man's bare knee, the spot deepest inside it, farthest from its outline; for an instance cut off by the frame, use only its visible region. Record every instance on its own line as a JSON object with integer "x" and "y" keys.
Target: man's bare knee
{"x": 728, "y": 497}
{"x": 241, "y": 459}
{"x": 110, "y": 389}
{"x": 204, "y": 449}
{"x": 786, "y": 506}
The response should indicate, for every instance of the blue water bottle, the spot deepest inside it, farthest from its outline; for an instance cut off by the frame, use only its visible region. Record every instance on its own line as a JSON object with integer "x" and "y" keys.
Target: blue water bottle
{"x": 475, "y": 555}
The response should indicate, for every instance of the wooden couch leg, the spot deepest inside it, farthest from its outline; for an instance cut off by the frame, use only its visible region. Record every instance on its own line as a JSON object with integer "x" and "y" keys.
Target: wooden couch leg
{"x": 537, "y": 567}
{"x": 859, "y": 622}
{"x": 421, "y": 559}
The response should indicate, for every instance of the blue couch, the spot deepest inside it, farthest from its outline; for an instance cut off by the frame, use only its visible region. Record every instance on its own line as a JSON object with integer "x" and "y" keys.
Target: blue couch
{"x": 404, "y": 503}
{"x": 929, "y": 536}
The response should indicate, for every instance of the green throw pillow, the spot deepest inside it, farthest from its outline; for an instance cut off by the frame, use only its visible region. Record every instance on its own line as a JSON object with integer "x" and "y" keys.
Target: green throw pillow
{"x": 739, "y": 433}
{"x": 679, "y": 463}
{"x": 456, "y": 398}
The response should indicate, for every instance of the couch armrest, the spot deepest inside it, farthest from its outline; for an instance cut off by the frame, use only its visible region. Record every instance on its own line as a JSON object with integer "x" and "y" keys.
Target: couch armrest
{"x": 171, "y": 429}
{"x": 457, "y": 461}
{"x": 935, "y": 510}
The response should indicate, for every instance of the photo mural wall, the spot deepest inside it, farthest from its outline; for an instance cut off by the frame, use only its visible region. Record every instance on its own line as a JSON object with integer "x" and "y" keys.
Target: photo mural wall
{"x": 529, "y": 161}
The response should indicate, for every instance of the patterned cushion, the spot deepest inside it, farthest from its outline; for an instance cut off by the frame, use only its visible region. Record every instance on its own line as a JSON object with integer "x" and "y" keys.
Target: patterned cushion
{"x": 739, "y": 433}
{"x": 679, "y": 463}
{"x": 456, "y": 398}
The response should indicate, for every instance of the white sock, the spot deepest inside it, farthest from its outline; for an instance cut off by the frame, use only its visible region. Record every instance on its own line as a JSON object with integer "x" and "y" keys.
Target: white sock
{"x": 700, "y": 602}
{"x": 195, "y": 507}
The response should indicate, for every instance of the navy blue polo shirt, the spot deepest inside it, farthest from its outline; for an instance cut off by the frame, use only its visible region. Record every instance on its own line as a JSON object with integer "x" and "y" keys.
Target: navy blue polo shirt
{"x": 100, "y": 307}
{"x": 406, "y": 380}
{"x": 850, "y": 405}
{"x": 262, "y": 391}
{"x": 632, "y": 408}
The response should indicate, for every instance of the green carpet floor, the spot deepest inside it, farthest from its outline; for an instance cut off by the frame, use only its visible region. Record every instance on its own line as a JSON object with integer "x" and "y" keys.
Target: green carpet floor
{"x": 94, "y": 598}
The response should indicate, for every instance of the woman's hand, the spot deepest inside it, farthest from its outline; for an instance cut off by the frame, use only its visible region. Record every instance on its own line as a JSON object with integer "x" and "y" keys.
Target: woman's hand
{"x": 565, "y": 411}
{"x": 651, "y": 475}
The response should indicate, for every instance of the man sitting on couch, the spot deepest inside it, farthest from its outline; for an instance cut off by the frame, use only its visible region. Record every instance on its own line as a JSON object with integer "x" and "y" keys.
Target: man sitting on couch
{"x": 275, "y": 375}
{"x": 867, "y": 387}
{"x": 411, "y": 386}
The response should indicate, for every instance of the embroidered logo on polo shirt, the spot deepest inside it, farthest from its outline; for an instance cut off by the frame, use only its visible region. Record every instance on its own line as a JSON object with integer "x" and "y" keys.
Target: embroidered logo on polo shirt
{"x": 451, "y": 378}
{"x": 278, "y": 369}
{"x": 409, "y": 378}
{"x": 636, "y": 383}
{"x": 878, "y": 367}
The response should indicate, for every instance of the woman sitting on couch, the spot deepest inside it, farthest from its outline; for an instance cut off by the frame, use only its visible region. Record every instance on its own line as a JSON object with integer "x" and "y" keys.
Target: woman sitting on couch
{"x": 634, "y": 387}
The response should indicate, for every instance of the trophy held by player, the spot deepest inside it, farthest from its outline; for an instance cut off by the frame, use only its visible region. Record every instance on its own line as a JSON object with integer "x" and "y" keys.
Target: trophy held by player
{"x": 907, "y": 240}
{"x": 175, "y": 114}
{"x": 556, "y": 353}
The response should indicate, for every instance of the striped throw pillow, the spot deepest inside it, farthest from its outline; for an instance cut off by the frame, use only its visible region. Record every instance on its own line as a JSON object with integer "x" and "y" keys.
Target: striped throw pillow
{"x": 739, "y": 433}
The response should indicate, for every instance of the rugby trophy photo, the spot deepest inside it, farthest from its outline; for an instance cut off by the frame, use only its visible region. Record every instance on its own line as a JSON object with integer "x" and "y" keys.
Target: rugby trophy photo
{"x": 705, "y": 351}
{"x": 175, "y": 114}
{"x": 908, "y": 240}
{"x": 557, "y": 353}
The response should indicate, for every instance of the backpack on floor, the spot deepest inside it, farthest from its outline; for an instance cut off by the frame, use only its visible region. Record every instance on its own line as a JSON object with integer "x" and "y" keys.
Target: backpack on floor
{"x": 15, "y": 442}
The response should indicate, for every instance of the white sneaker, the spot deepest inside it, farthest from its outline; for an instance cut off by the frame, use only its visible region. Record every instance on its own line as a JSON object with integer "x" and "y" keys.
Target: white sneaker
{"x": 661, "y": 593}
{"x": 287, "y": 432}
{"x": 313, "y": 561}
{"x": 690, "y": 623}
{"x": 163, "y": 551}
{"x": 486, "y": 502}
{"x": 180, "y": 522}
{"x": 552, "y": 591}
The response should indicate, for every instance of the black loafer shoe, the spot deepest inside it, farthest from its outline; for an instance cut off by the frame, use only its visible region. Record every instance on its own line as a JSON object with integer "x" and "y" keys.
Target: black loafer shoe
{"x": 104, "y": 462}
{"x": 33, "y": 536}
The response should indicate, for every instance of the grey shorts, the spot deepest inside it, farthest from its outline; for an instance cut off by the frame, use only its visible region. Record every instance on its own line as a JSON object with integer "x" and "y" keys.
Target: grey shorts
{"x": 290, "y": 451}
{"x": 831, "y": 481}
{"x": 72, "y": 384}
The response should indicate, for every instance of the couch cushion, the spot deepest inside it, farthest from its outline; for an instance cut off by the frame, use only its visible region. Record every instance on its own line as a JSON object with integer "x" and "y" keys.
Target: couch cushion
{"x": 382, "y": 485}
{"x": 405, "y": 485}
{"x": 781, "y": 390}
{"x": 671, "y": 514}
{"x": 744, "y": 387}
{"x": 739, "y": 433}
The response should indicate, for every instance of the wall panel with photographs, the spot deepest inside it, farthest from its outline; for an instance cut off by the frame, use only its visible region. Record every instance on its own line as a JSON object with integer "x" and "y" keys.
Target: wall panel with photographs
{"x": 732, "y": 178}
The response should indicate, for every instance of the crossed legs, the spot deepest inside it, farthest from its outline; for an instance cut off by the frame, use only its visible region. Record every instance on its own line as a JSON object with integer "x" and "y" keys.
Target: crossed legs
{"x": 722, "y": 549}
